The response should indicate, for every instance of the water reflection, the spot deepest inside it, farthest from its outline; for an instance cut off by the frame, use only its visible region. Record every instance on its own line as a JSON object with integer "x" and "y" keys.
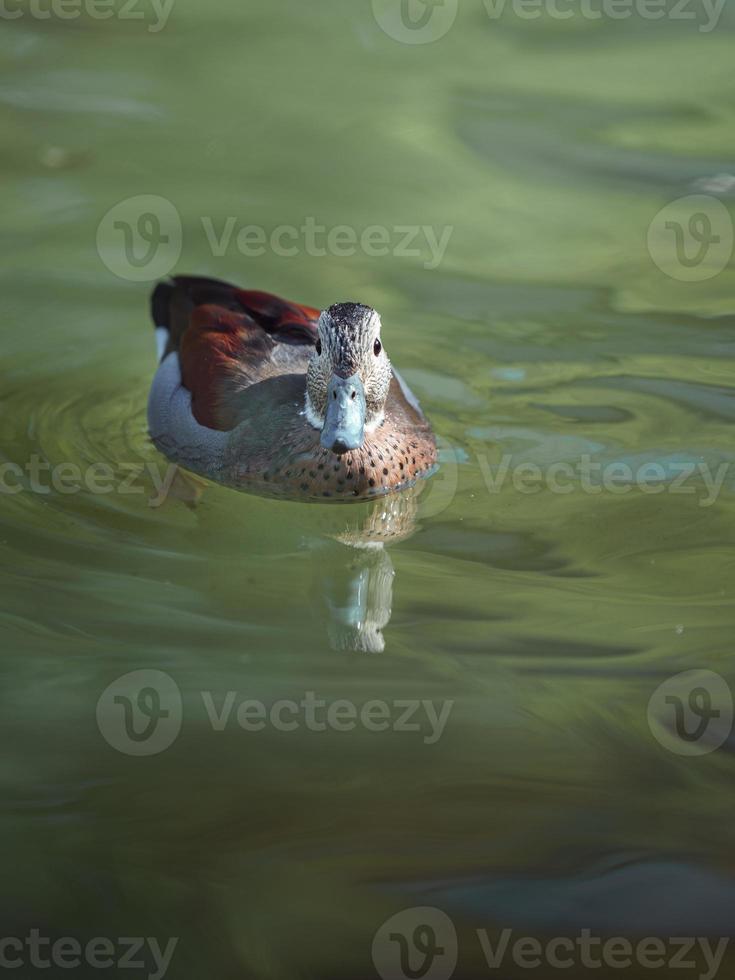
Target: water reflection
{"x": 358, "y": 603}
{"x": 355, "y": 581}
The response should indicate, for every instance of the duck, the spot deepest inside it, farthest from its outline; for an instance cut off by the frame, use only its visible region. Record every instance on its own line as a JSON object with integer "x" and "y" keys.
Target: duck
{"x": 281, "y": 399}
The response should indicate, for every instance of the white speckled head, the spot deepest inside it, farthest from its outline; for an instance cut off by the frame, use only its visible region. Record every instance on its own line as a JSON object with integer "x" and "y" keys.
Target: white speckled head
{"x": 348, "y": 377}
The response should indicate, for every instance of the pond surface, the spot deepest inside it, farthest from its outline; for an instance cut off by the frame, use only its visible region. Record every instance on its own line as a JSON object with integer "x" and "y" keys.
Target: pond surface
{"x": 515, "y": 619}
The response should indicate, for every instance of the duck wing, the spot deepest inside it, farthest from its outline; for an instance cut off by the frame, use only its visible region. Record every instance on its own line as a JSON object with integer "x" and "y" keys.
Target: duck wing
{"x": 228, "y": 339}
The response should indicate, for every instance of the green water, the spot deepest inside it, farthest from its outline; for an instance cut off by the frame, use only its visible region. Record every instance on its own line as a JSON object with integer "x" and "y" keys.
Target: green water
{"x": 546, "y": 334}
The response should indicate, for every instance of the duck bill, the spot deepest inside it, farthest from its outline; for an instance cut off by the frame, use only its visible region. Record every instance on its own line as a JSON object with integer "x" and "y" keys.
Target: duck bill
{"x": 344, "y": 421}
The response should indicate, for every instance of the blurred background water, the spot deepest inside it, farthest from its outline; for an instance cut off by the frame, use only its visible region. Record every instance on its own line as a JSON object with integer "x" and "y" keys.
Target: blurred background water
{"x": 560, "y": 324}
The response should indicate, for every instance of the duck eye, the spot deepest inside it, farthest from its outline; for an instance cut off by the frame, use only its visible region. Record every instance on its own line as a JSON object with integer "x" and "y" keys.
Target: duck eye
{"x": 318, "y": 346}
{"x": 377, "y": 347}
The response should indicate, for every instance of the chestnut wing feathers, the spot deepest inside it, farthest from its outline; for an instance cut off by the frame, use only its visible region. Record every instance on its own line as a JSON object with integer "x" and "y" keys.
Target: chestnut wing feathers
{"x": 229, "y": 339}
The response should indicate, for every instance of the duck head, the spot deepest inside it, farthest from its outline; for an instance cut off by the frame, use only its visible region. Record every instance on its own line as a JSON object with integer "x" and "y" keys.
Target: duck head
{"x": 348, "y": 377}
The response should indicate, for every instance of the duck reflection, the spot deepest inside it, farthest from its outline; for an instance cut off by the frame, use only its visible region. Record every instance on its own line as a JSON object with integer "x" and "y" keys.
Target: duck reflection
{"x": 359, "y": 602}
{"x": 354, "y": 573}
